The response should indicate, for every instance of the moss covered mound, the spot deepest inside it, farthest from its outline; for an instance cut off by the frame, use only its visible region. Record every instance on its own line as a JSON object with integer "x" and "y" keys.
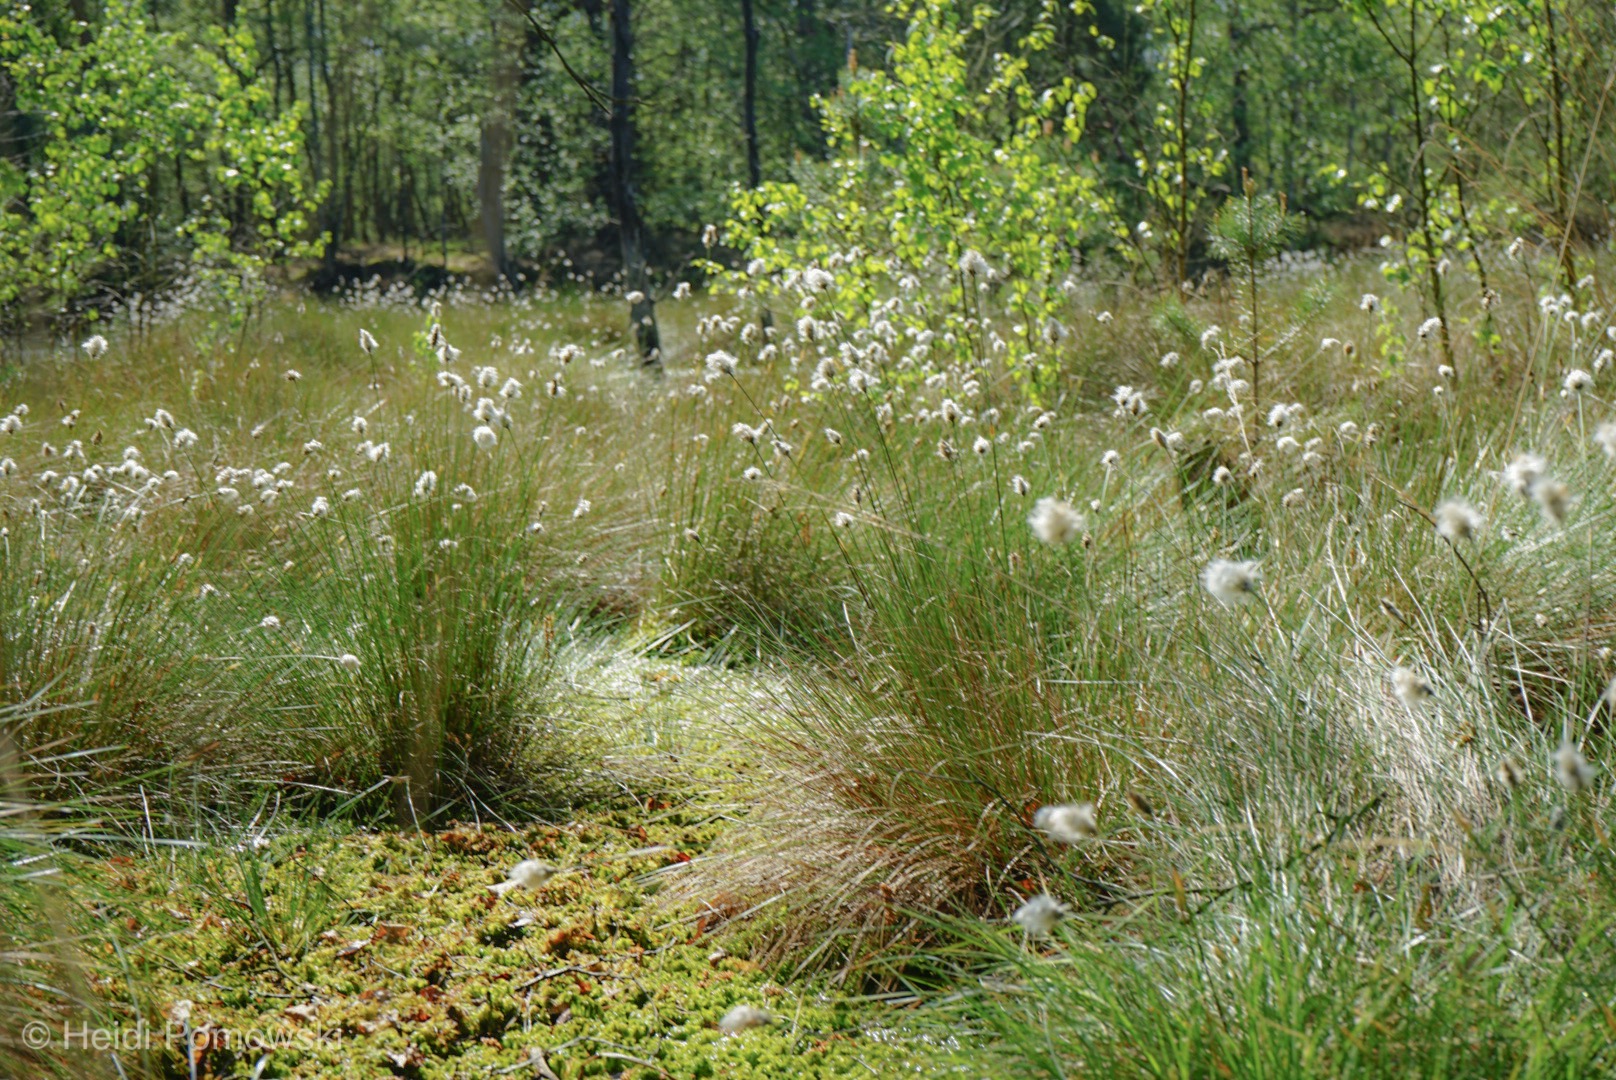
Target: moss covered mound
{"x": 383, "y": 954}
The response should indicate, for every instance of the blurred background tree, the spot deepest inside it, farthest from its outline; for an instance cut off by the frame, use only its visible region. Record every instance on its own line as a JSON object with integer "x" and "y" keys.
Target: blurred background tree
{"x": 458, "y": 135}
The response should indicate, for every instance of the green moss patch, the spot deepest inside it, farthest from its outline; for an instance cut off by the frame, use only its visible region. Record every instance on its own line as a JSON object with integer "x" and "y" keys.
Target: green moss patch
{"x": 385, "y": 954}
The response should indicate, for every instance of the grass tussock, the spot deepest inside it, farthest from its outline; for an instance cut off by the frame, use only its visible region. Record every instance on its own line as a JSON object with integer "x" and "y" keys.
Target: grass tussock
{"x": 1318, "y": 675}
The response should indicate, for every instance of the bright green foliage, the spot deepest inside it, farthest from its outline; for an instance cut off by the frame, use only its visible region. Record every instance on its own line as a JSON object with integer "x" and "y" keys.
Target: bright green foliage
{"x": 297, "y": 940}
{"x": 927, "y": 169}
{"x": 116, "y": 113}
{"x": 1187, "y": 140}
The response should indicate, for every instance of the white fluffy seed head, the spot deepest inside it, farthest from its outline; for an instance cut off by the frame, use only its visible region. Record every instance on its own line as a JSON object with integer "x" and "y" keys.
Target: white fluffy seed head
{"x": 485, "y": 437}
{"x": 1572, "y": 769}
{"x": 1457, "y": 520}
{"x": 1054, "y": 522}
{"x": 1231, "y": 582}
{"x": 742, "y": 1017}
{"x": 1069, "y": 823}
{"x": 1577, "y": 381}
{"x": 1554, "y": 498}
{"x": 1522, "y": 474}
{"x": 1410, "y": 689}
{"x": 1605, "y": 436}
{"x": 1039, "y": 914}
{"x": 530, "y": 874}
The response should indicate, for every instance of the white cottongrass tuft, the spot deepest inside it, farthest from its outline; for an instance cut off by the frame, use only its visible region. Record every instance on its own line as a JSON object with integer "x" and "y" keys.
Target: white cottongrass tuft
{"x": 1038, "y": 916}
{"x": 1571, "y": 768}
{"x": 321, "y": 507}
{"x": 1457, "y": 520}
{"x": 1410, "y": 689}
{"x": 95, "y": 347}
{"x": 1069, "y": 823}
{"x": 1054, "y": 522}
{"x": 349, "y": 660}
{"x": 742, "y": 1017}
{"x": 366, "y": 341}
{"x": 270, "y": 622}
{"x": 426, "y": 484}
{"x": 530, "y": 874}
{"x": 720, "y": 363}
{"x": 485, "y": 437}
{"x": 1231, "y": 582}
{"x": 1019, "y": 484}
{"x": 1522, "y": 474}
{"x": 1554, "y": 498}
{"x": 1577, "y": 381}
{"x": 974, "y": 264}
{"x": 1605, "y": 436}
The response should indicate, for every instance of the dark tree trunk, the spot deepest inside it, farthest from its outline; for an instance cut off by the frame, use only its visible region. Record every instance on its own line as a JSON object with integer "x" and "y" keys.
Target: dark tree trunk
{"x": 810, "y": 79}
{"x": 630, "y": 230}
{"x": 274, "y": 51}
{"x": 1239, "y": 105}
{"x": 754, "y": 160}
{"x": 316, "y": 149}
{"x": 228, "y": 14}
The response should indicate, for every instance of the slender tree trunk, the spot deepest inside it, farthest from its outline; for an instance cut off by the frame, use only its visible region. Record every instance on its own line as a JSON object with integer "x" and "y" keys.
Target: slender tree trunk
{"x": 1186, "y": 67}
{"x": 1422, "y": 175}
{"x": 274, "y": 52}
{"x": 630, "y": 229}
{"x": 1557, "y": 163}
{"x": 495, "y": 142}
{"x": 336, "y": 201}
{"x": 754, "y": 161}
{"x": 1239, "y": 105}
{"x": 316, "y": 150}
{"x": 228, "y": 13}
{"x": 810, "y": 80}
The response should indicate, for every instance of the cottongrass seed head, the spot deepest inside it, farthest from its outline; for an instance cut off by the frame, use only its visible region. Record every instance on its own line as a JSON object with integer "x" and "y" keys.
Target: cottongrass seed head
{"x": 1457, "y": 520}
{"x": 1410, "y": 689}
{"x": 530, "y": 874}
{"x": 1039, "y": 914}
{"x": 1605, "y": 436}
{"x": 1054, "y": 522}
{"x": 742, "y": 1017}
{"x": 1572, "y": 769}
{"x": 1522, "y": 474}
{"x": 1231, "y": 582}
{"x": 1553, "y": 498}
{"x": 1069, "y": 823}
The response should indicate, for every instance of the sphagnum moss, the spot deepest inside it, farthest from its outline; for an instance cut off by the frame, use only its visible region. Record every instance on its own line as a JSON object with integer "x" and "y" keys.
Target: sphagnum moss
{"x": 426, "y": 971}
